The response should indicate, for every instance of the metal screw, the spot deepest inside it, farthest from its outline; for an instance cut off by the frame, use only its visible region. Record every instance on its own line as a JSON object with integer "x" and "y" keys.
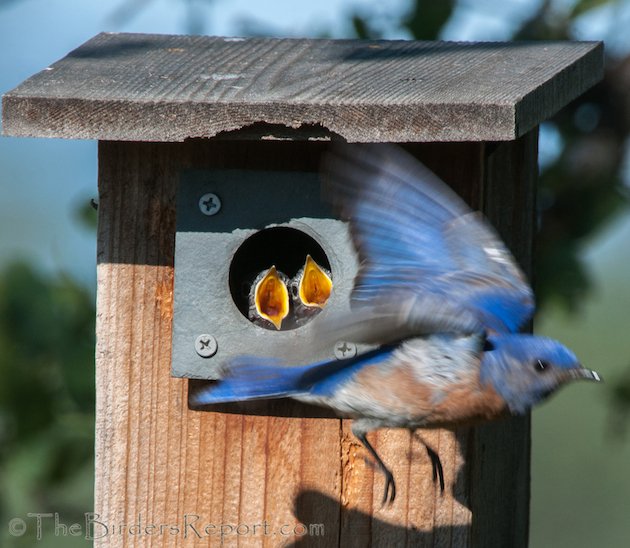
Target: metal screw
{"x": 209, "y": 204}
{"x": 345, "y": 350}
{"x": 206, "y": 345}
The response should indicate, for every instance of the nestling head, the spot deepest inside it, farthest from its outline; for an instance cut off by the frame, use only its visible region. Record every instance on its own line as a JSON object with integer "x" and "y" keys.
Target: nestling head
{"x": 527, "y": 369}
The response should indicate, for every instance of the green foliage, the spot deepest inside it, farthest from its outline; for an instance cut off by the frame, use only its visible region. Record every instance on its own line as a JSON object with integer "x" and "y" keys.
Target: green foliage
{"x": 361, "y": 28}
{"x": 87, "y": 215}
{"x": 619, "y": 395}
{"x": 583, "y": 6}
{"x": 46, "y": 396}
{"x": 426, "y": 19}
{"x": 582, "y": 190}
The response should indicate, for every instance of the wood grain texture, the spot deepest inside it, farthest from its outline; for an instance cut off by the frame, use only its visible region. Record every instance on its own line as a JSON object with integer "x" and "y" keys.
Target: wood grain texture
{"x": 158, "y": 463}
{"x": 138, "y": 87}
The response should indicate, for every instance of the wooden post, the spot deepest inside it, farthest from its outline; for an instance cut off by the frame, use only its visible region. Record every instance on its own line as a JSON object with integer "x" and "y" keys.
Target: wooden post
{"x": 167, "y": 475}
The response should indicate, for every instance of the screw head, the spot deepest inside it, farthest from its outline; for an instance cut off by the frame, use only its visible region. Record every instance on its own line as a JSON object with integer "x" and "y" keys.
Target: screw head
{"x": 206, "y": 345}
{"x": 345, "y": 350}
{"x": 209, "y": 204}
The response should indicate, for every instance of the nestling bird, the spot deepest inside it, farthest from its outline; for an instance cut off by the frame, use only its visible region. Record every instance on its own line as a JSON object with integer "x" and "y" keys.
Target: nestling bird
{"x": 310, "y": 290}
{"x": 269, "y": 298}
{"x": 440, "y": 294}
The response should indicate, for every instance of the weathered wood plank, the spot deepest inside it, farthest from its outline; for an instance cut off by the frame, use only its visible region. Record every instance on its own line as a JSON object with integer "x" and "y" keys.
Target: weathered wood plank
{"x": 140, "y": 87}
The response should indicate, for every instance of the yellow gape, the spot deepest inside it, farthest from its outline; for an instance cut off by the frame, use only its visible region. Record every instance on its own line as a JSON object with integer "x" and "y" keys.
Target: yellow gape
{"x": 315, "y": 285}
{"x": 272, "y": 298}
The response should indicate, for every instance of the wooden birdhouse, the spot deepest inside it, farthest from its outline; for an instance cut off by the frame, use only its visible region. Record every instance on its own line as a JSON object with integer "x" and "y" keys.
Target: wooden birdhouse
{"x": 209, "y": 158}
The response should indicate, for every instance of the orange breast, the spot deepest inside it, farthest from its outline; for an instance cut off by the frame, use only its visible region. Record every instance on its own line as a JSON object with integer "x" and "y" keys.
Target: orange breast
{"x": 402, "y": 393}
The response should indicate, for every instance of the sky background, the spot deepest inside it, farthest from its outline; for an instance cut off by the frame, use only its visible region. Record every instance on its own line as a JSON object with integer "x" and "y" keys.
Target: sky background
{"x": 581, "y": 482}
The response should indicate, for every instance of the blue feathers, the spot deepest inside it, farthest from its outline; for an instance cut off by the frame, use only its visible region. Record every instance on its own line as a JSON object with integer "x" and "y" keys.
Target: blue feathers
{"x": 525, "y": 348}
{"x": 250, "y": 378}
{"x": 499, "y": 310}
{"x": 415, "y": 236}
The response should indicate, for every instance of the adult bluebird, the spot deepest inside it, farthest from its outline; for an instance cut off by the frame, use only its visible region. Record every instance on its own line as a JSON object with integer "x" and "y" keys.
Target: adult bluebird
{"x": 439, "y": 295}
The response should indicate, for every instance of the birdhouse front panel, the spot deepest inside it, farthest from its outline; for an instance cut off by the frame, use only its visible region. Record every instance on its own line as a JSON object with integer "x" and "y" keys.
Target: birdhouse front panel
{"x": 260, "y": 260}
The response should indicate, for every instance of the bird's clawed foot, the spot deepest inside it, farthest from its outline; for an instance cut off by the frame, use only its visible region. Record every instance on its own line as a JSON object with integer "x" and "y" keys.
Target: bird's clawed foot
{"x": 436, "y": 464}
{"x": 390, "y": 485}
{"x": 438, "y": 471}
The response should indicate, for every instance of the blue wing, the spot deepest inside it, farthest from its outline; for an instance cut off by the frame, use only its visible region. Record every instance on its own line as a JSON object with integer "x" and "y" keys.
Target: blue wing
{"x": 421, "y": 249}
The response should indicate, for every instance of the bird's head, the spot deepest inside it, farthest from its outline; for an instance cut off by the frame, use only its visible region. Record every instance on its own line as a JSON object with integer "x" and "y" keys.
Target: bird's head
{"x": 527, "y": 369}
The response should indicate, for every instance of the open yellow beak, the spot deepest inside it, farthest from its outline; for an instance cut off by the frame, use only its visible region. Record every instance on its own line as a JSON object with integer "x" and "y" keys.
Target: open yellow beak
{"x": 315, "y": 286}
{"x": 271, "y": 297}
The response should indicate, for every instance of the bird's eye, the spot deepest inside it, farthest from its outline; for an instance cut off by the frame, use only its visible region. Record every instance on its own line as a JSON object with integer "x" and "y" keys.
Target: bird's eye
{"x": 541, "y": 366}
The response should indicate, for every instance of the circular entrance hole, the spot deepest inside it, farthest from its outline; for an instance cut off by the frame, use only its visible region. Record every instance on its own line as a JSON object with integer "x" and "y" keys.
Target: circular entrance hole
{"x": 284, "y": 247}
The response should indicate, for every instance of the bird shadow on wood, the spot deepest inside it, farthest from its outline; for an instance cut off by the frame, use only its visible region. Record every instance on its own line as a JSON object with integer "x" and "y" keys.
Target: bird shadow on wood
{"x": 319, "y": 513}
{"x": 354, "y": 528}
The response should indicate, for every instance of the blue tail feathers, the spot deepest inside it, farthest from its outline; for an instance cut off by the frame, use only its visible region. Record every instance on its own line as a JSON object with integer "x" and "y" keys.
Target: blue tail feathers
{"x": 250, "y": 378}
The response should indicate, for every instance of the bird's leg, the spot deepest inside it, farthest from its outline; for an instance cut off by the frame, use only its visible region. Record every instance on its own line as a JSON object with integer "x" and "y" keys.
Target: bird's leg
{"x": 436, "y": 464}
{"x": 390, "y": 485}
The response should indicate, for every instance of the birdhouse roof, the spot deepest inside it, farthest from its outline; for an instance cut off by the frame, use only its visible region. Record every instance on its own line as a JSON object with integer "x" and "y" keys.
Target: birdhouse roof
{"x": 145, "y": 87}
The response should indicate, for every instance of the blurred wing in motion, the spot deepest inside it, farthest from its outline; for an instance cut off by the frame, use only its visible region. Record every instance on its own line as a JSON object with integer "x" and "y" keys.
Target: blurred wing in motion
{"x": 427, "y": 262}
